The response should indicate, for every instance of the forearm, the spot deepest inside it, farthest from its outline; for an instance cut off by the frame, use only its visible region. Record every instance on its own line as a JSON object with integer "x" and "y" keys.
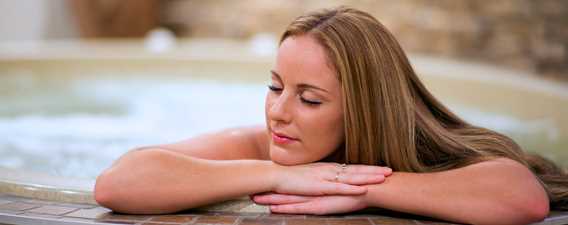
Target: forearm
{"x": 159, "y": 181}
{"x": 480, "y": 194}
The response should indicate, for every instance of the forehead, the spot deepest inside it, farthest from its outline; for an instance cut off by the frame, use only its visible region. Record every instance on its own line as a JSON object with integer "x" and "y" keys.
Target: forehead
{"x": 301, "y": 59}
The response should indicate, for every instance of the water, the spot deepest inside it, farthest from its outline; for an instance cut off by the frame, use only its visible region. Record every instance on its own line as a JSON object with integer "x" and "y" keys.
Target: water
{"x": 77, "y": 126}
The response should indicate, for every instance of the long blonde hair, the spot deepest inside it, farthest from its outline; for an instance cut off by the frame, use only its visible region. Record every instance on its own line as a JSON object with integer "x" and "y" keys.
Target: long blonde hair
{"x": 392, "y": 119}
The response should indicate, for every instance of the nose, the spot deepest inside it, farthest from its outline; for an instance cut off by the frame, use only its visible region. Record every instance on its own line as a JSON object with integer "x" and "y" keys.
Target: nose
{"x": 280, "y": 108}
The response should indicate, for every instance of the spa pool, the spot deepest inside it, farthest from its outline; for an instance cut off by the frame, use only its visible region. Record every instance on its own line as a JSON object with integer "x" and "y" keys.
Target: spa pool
{"x": 69, "y": 111}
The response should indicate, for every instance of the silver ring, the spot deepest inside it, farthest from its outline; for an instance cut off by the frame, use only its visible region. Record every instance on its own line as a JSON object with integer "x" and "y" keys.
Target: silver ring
{"x": 343, "y": 167}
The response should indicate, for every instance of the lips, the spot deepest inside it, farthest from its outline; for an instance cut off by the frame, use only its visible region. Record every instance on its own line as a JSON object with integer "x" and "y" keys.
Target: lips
{"x": 281, "y": 138}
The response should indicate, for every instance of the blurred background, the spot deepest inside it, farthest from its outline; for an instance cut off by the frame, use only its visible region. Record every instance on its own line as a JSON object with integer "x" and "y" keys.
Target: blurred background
{"x": 525, "y": 34}
{"x": 83, "y": 81}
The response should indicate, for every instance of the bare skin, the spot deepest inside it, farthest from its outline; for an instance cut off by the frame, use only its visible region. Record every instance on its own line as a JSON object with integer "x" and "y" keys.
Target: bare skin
{"x": 277, "y": 164}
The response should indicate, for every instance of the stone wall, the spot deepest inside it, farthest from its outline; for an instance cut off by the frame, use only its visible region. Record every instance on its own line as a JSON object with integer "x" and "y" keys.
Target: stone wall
{"x": 521, "y": 34}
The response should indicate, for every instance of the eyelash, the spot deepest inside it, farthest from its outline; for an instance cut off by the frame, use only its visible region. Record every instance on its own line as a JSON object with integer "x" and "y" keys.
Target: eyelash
{"x": 275, "y": 89}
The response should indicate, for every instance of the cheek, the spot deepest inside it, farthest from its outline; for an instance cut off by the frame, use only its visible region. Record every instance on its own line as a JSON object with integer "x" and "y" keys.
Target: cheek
{"x": 267, "y": 105}
{"x": 324, "y": 130}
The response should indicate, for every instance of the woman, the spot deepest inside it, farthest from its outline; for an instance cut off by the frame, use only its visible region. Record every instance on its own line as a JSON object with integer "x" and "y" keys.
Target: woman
{"x": 343, "y": 91}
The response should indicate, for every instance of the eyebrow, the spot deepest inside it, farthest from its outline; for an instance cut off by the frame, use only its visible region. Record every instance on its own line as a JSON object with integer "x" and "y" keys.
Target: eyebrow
{"x": 302, "y": 85}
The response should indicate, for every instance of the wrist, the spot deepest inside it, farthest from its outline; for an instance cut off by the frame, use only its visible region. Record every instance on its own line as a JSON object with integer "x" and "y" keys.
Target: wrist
{"x": 274, "y": 174}
{"x": 369, "y": 199}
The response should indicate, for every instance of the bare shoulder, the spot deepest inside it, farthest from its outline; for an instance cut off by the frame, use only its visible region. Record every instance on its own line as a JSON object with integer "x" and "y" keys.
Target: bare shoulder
{"x": 249, "y": 142}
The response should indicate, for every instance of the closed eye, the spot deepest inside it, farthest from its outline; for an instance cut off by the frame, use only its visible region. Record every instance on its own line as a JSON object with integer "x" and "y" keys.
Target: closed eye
{"x": 274, "y": 88}
{"x": 310, "y": 102}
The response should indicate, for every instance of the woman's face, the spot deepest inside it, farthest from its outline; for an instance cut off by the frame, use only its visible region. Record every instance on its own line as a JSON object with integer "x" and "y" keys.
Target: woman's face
{"x": 304, "y": 113}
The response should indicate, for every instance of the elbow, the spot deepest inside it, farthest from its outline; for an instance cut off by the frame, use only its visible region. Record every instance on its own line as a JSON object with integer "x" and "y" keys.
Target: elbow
{"x": 104, "y": 193}
{"x": 113, "y": 186}
{"x": 538, "y": 210}
{"x": 119, "y": 188}
{"x": 531, "y": 209}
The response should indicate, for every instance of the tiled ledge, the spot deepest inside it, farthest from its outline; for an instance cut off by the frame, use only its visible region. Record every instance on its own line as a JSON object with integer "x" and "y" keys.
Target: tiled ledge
{"x": 26, "y": 211}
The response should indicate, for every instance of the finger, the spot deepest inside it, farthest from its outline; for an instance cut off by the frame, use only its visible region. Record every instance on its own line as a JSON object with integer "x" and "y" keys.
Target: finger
{"x": 280, "y": 199}
{"x": 368, "y": 169}
{"x": 360, "y": 179}
{"x": 334, "y": 188}
{"x": 298, "y": 208}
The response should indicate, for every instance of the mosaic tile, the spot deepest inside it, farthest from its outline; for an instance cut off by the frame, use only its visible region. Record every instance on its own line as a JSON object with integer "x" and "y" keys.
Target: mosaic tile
{"x": 557, "y": 218}
{"x": 261, "y": 221}
{"x": 283, "y": 216}
{"x": 52, "y": 210}
{"x": 37, "y": 201}
{"x": 18, "y": 206}
{"x": 89, "y": 213}
{"x": 243, "y": 215}
{"x": 78, "y": 206}
{"x": 172, "y": 218}
{"x": 392, "y": 221}
{"x": 13, "y": 198}
{"x": 74, "y": 219}
{"x": 312, "y": 221}
{"x": 218, "y": 220}
{"x": 360, "y": 221}
{"x": 10, "y": 212}
{"x": 3, "y": 201}
{"x": 47, "y": 216}
{"x": 115, "y": 217}
{"x": 157, "y": 223}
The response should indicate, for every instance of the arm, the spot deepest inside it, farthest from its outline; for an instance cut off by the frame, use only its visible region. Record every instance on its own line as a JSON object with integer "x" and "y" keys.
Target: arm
{"x": 161, "y": 181}
{"x": 186, "y": 174}
{"x": 211, "y": 168}
{"x": 499, "y": 191}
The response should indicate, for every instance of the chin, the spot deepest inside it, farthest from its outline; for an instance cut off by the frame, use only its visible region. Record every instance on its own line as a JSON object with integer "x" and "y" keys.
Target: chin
{"x": 283, "y": 157}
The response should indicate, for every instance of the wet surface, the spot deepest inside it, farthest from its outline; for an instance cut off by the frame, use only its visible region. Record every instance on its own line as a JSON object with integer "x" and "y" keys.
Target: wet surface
{"x": 19, "y": 210}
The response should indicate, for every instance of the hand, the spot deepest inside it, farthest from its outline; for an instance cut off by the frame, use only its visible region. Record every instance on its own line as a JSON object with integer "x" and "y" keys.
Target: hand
{"x": 316, "y": 179}
{"x": 318, "y": 205}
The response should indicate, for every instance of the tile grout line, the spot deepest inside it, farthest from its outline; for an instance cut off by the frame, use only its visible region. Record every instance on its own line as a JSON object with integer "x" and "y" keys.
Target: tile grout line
{"x": 238, "y": 220}
{"x": 370, "y": 221}
{"x": 193, "y": 221}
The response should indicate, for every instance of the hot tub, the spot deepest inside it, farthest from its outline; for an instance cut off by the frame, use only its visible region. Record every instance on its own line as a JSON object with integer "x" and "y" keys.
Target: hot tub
{"x": 70, "y": 108}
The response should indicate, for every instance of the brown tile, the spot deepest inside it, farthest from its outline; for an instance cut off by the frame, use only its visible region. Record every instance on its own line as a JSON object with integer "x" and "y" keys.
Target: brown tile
{"x": 18, "y": 206}
{"x": 283, "y": 216}
{"x": 241, "y": 215}
{"x": 172, "y": 218}
{"x": 392, "y": 221}
{"x": 156, "y": 223}
{"x": 52, "y": 210}
{"x": 309, "y": 221}
{"x": 89, "y": 213}
{"x": 358, "y": 221}
{"x": 261, "y": 221}
{"x": 115, "y": 217}
{"x": 216, "y": 220}
{"x": 356, "y": 216}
